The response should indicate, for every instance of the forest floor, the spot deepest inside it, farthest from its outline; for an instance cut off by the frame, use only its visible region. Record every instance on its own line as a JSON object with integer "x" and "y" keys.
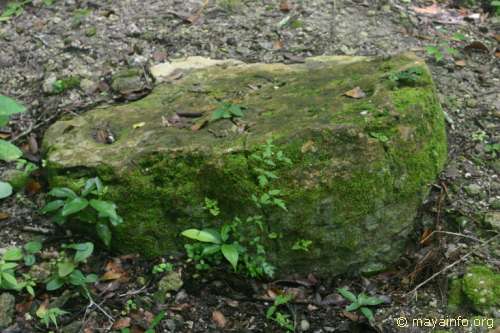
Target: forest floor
{"x": 94, "y": 39}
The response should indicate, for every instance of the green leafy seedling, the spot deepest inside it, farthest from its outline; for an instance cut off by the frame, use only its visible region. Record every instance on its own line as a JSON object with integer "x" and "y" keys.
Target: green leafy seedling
{"x": 67, "y": 271}
{"x": 50, "y": 316}
{"x": 283, "y": 320}
{"x": 214, "y": 237}
{"x": 360, "y": 303}
{"x": 8, "y": 263}
{"x": 227, "y": 111}
{"x": 93, "y": 210}
{"x": 8, "y": 151}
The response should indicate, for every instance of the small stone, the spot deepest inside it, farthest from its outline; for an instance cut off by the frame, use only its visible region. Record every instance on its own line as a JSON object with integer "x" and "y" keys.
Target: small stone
{"x": 493, "y": 219}
{"x": 48, "y": 84}
{"x": 7, "y": 306}
{"x": 471, "y": 102}
{"x": 172, "y": 281}
{"x": 304, "y": 325}
{"x": 89, "y": 86}
{"x": 473, "y": 189}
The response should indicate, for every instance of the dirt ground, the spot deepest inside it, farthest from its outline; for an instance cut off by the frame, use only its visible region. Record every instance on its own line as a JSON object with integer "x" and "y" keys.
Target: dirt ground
{"x": 94, "y": 39}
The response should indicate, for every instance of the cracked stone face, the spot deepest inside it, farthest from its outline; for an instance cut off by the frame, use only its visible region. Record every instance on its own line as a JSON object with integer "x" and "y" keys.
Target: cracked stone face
{"x": 360, "y": 166}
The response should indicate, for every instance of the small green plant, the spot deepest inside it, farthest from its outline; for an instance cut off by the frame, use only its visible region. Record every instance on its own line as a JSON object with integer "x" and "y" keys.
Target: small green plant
{"x": 129, "y": 307}
{"x": 379, "y": 136}
{"x": 283, "y": 320}
{"x": 65, "y": 268}
{"x": 408, "y": 77}
{"x": 496, "y": 5}
{"x": 50, "y": 316}
{"x": 445, "y": 48}
{"x": 227, "y": 111}
{"x": 162, "y": 268}
{"x": 493, "y": 149}
{"x": 8, "y": 151}
{"x": 30, "y": 249}
{"x": 241, "y": 240}
{"x": 67, "y": 83}
{"x": 212, "y": 207}
{"x": 8, "y": 263}
{"x": 360, "y": 303}
{"x": 16, "y": 8}
{"x": 13, "y": 9}
{"x": 479, "y": 136}
{"x": 28, "y": 283}
{"x": 92, "y": 210}
{"x": 302, "y": 245}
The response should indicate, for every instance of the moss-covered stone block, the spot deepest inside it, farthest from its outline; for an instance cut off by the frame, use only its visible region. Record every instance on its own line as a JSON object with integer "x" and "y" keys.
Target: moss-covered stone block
{"x": 361, "y": 166}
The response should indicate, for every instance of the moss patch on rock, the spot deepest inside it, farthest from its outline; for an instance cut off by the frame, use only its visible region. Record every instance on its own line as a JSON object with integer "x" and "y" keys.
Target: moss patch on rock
{"x": 361, "y": 167}
{"x": 478, "y": 290}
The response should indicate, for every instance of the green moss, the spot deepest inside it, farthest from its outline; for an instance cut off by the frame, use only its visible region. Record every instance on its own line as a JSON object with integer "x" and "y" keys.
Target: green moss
{"x": 352, "y": 195}
{"x": 455, "y": 295}
{"x": 482, "y": 288}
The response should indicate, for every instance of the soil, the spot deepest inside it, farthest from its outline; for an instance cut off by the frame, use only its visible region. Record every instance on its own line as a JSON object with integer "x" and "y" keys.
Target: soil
{"x": 94, "y": 39}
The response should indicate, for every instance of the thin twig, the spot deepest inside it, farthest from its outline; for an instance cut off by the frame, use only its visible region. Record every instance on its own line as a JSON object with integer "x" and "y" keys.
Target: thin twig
{"x": 31, "y": 128}
{"x": 133, "y": 292}
{"x": 452, "y": 265}
{"x": 38, "y": 230}
{"x": 450, "y": 233}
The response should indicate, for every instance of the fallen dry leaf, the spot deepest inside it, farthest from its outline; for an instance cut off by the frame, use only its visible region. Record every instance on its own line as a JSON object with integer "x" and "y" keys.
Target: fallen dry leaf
{"x": 24, "y": 307}
{"x": 33, "y": 187}
{"x": 350, "y": 315}
{"x": 497, "y": 53}
{"x": 308, "y": 146}
{"x": 476, "y": 45}
{"x": 425, "y": 237}
{"x": 285, "y": 6}
{"x": 278, "y": 44}
{"x": 4, "y": 216}
{"x": 199, "y": 124}
{"x": 33, "y": 144}
{"x": 355, "y": 93}
{"x": 114, "y": 271}
{"x": 138, "y": 125}
{"x": 497, "y": 37}
{"x": 122, "y": 323}
{"x": 460, "y": 63}
{"x": 433, "y": 9}
{"x": 219, "y": 319}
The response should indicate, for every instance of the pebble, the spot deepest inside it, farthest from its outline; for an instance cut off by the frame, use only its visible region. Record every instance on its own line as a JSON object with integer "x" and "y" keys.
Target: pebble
{"x": 304, "y": 325}
{"x": 473, "y": 189}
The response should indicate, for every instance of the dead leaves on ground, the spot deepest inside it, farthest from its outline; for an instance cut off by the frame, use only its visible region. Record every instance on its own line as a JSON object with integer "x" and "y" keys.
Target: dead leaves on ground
{"x": 219, "y": 319}
{"x": 355, "y": 93}
{"x": 285, "y": 6}
{"x": 433, "y": 9}
{"x": 114, "y": 271}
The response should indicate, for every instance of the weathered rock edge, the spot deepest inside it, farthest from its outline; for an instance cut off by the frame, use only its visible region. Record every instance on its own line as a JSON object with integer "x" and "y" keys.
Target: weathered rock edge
{"x": 361, "y": 167}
